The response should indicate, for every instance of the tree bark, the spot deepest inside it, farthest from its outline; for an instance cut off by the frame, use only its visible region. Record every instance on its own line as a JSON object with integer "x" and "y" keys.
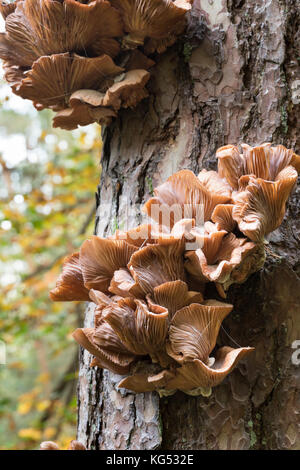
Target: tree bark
{"x": 232, "y": 78}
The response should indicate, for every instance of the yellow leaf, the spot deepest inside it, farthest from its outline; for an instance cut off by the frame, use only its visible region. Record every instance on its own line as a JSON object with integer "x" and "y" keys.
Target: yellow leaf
{"x": 24, "y": 407}
{"x": 42, "y": 405}
{"x": 43, "y": 378}
{"x": 30, "y": 433}
{"x": 49, "y": 433}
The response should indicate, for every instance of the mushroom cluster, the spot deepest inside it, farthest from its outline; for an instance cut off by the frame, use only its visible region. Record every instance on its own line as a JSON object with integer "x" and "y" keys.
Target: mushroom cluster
{"x": 153, "y": 321}
{"x": 85, "y": 59}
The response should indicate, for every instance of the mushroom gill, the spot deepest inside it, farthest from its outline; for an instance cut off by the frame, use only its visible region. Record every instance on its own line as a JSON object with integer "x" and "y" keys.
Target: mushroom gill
{"x": 194, "y": 329}
{"x": 43, "y": 28}
{"x": 70, "y": 284}
{"x": 104, "y": 344}
{"x": 141, "y": 328}
{"x": 159, "y": 20}
{"x": 59, "y": 54}
{"x": 154, "y": 265}
{"x": 183, "y": 196}
{"x": 262, "y": 161}
{"x": 100, "y": 258}
{"x": 224, "y": 259}
{"x": 259, "y": 208}
{"x": 68, "y": 72}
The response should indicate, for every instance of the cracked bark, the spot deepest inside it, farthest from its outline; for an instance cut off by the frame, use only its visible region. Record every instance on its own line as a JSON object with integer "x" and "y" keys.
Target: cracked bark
{"x": 230, "y": 82}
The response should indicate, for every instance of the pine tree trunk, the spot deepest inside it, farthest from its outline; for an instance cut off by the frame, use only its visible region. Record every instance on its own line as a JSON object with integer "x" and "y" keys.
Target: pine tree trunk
{"x": 230, "y": 82}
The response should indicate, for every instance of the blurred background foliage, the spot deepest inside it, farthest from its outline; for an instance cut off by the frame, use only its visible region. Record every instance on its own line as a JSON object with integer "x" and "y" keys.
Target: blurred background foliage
{"x": 47, "y": 183}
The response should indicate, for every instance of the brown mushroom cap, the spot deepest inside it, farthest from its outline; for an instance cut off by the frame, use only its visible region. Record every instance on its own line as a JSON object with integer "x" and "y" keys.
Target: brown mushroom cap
{"x": 197, "y": 374}
{"x": 68, "y": 73}
{"x": 76, "y": 445}
{"x": 156, "y": 19}
{"x": 138, "y": 236}
{"x": 12, "y": 73}
{"x": 129, "y": 91}
{"x": 117, "y": 360}
{"x": 154, "y": 265}
{"x": 222, "y": 216}
{"x": 82, "y": 115}
{"x": 41, "y": 28}
{"x": 173, "y": 296}
{"x": 70, "y": 285}
{"x": 225, "y": 260}
{"x": 191, "y": 375}
{"x": 182, "y": 196}
{"x": 212, "y": 181}
{"x": 260, "y": 208}
{"x": 194, "y": 330}
{"x": 126, "y": 92}
{"x": 140, "y": 383}
{"x": 141, "y": 328}
{"x": 6, "y": 8}
{"x": 263, "y": 162}
{"x": 50, "y": 445}
{"x": 124, "y": 285}
{"x": 100, "y": 258}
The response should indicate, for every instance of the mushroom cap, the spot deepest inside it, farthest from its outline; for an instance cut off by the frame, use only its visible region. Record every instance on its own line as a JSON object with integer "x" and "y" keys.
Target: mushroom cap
{"x": 140, "y": 327}
{"x": 123, "y": 284}
{"x": 82, "y": 115}
{"x": 129, "y": 91}
{"x": 113, "y": 355}
{"x": 194, "y": 330}
{"x": 260, "y": 207}
{"x": 100, "y": 258}
{"x": 222, "y": 216}
{"x": 41, "y": 28}
{"x": 263, "y": 162}
{"x": 48, "y": 445}
{"x": 70, "y": 285}
{"x": 190, "y": 375}
{"x": 156, "y": 19}
{"x": 138, "y": 236}
{"x": 76, "y": 445}
{"x": 196, "y": 374}
{"x": 68, "y": 73}
{"x": 182, "y": 196}
{"x": 212, "y": 181}
{"x": 6, "y": 8}
{"x": 154, "y": 265}
{"x": 225, "y": 260}
{"x": 12, "y": 73}
{"x": 174, "y": 295}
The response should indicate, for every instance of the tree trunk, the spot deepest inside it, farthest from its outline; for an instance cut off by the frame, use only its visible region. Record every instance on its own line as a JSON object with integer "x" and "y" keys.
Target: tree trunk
{"x": 234, "y": 80}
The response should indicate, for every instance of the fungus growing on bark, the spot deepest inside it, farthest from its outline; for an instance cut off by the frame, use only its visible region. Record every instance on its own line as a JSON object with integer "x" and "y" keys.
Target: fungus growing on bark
{"x": 160, "y": 21}
{"x": 70, "y": 285}
{"x": 260, "y": 207}
{"x": 68, "y": 72}
{"x": 222, "y": 216}
{"x": 59, "y": 54}
{"x": 150, "y": 283}
{"x": 224, "y": 259}
{"x": 187, "y": 197}
{"x": 263, "y": 162}
{"x": 43, "y": 28}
